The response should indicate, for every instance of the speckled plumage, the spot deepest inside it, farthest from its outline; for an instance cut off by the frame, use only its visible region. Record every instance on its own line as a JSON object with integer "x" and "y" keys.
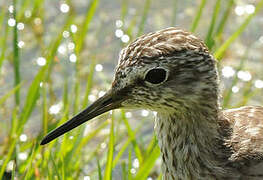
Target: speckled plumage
{"x": 198, "y": 140}
{"x": 172, "y": 72}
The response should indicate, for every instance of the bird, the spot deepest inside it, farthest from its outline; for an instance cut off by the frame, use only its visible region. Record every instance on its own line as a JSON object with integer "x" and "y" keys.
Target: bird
{"x": 172, "y": 72}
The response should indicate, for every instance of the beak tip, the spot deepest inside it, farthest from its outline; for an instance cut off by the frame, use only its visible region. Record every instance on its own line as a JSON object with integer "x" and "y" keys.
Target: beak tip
{"x": 103, "y": 104}
{"x": 44, "y": 141}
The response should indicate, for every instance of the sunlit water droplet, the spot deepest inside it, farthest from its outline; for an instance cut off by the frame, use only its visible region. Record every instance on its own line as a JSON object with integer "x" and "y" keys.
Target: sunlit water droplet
{"x": 92, "y": 98}
{"x": 22, "y": 156}
{"x": 125, "y": 38}
{"x": 250, "y": 8}
{"x": 133, "y": 170}
{"x": 135, "y": 163}
{"x": 64, "y": 8}
{"x": 259, "y": 84}
{"x": 128, "y": 114}
{"x": 20, "y": 26}
{"x": 103, "y": 145}
{"x": 73, "y": 58}
{"x": 11, "y": 9}
{"x": 86, "y": 178}
{"x": 71, "y": 46}
{"x": 54, "y": 109}
{"x": 118, "y": 33}
{"x": 28, "y": 14}
{"x": 10, "y": 166}
{"x": 11, "y": 22}
{"x": 65, "y": 34}
{"x": 37, "y": 21}
{"x": 21, "y": 44}
{"x": 41, "y": 61}
{"x": 62, "y": 49}
{"x": 235, "y": 89}
{"x": 119, "y": 23}
{"x": 73, "y": 28}
{"x": 144, "y": 113}
{"x": 228, "y": 71}
{"x": 23, "y": 137}
{"x": 98, "y": 67}
{"x": 239, "y": 10}
{"x": 244, "y": 75}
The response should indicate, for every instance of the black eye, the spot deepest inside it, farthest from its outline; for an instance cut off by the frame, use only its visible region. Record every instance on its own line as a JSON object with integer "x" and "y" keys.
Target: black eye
{"x": 156, "y": 76}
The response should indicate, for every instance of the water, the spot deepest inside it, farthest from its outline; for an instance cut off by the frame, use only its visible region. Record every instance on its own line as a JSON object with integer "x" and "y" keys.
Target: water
{"x": 107, "y": 34}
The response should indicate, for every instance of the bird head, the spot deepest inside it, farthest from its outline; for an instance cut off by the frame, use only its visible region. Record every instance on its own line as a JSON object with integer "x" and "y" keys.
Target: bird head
{"x": 161, "y": 71}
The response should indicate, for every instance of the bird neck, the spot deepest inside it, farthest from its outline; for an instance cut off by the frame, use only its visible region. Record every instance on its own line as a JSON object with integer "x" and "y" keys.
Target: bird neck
{"x": 190, "y": 143}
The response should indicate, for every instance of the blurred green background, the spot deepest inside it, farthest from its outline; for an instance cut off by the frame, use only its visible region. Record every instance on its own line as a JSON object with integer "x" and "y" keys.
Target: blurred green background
{"x": 56, "y": 57}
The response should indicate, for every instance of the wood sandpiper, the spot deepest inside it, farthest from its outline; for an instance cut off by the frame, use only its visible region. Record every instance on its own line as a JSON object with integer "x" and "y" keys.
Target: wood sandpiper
{"x": 172, "y": 72}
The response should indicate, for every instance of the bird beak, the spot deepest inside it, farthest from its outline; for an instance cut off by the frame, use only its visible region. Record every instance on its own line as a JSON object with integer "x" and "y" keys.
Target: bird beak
{"x": 106, "y": 103}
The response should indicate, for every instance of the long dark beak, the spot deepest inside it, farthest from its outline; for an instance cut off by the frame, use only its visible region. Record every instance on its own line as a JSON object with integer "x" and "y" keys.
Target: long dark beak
{"x": 106, "y": 103}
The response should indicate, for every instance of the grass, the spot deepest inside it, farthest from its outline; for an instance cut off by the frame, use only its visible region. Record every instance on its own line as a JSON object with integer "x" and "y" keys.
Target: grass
{"x": 109, "y": 146}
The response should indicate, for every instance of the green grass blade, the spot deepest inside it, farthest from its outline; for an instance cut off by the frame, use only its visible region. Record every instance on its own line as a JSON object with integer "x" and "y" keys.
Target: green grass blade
{"x": 108, "y": 169}
{"x": 2, "y": 16}
{"x": 76, "y": 95}
{"x": 197, "y": 16}
{"x": 9, "y": 93}
{"x": 209, "y": 41}
{"x": 124, "y": 171}
{"x": 55, "y": 167}
{"x": 88, "y": 84}
{"x": 16, "y": 58}
{"x": 99, "y": 168}
{"x": 22, "y": 9}
{"x": 152, "y": 145}
{"x": 247, "y": 94}
{"x": 224, "y": 19}
{"x": 146, "y": 8}
{"x": 8, "y": 157}
{"x": 121, "y": 151}
{"x": 13, "y": 172}
{"x": 44, "y": 109}
{"x": 32, "y": 96}
{"x": 85, "y": 26}
{"x": 86, "y": 139}
{"x": 3, "y": 41}
{"x": 34, "y": 89}
{"x": 133, "y": 137}
{"x": 124, "y": 9}
{"x": 160, "y": 176}
{"x": 229, "y": 92}
{"x": 123, "y": 148}
{"x": 30, "y": 162}
{"x": 222, "y": 49}
{"x": 130, "y": 164}
{"x": 63, "y": 170}
{"x": 147, "y": 166}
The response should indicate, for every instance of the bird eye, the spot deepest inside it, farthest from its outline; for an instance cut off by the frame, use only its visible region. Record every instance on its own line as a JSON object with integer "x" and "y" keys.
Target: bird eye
{"x": 156, "y": 76}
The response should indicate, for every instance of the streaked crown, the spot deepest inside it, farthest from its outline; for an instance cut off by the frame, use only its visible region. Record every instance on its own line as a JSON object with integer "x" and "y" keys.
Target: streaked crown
{"x": 160, "y": 43}
{"x": 163, "y": 65}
